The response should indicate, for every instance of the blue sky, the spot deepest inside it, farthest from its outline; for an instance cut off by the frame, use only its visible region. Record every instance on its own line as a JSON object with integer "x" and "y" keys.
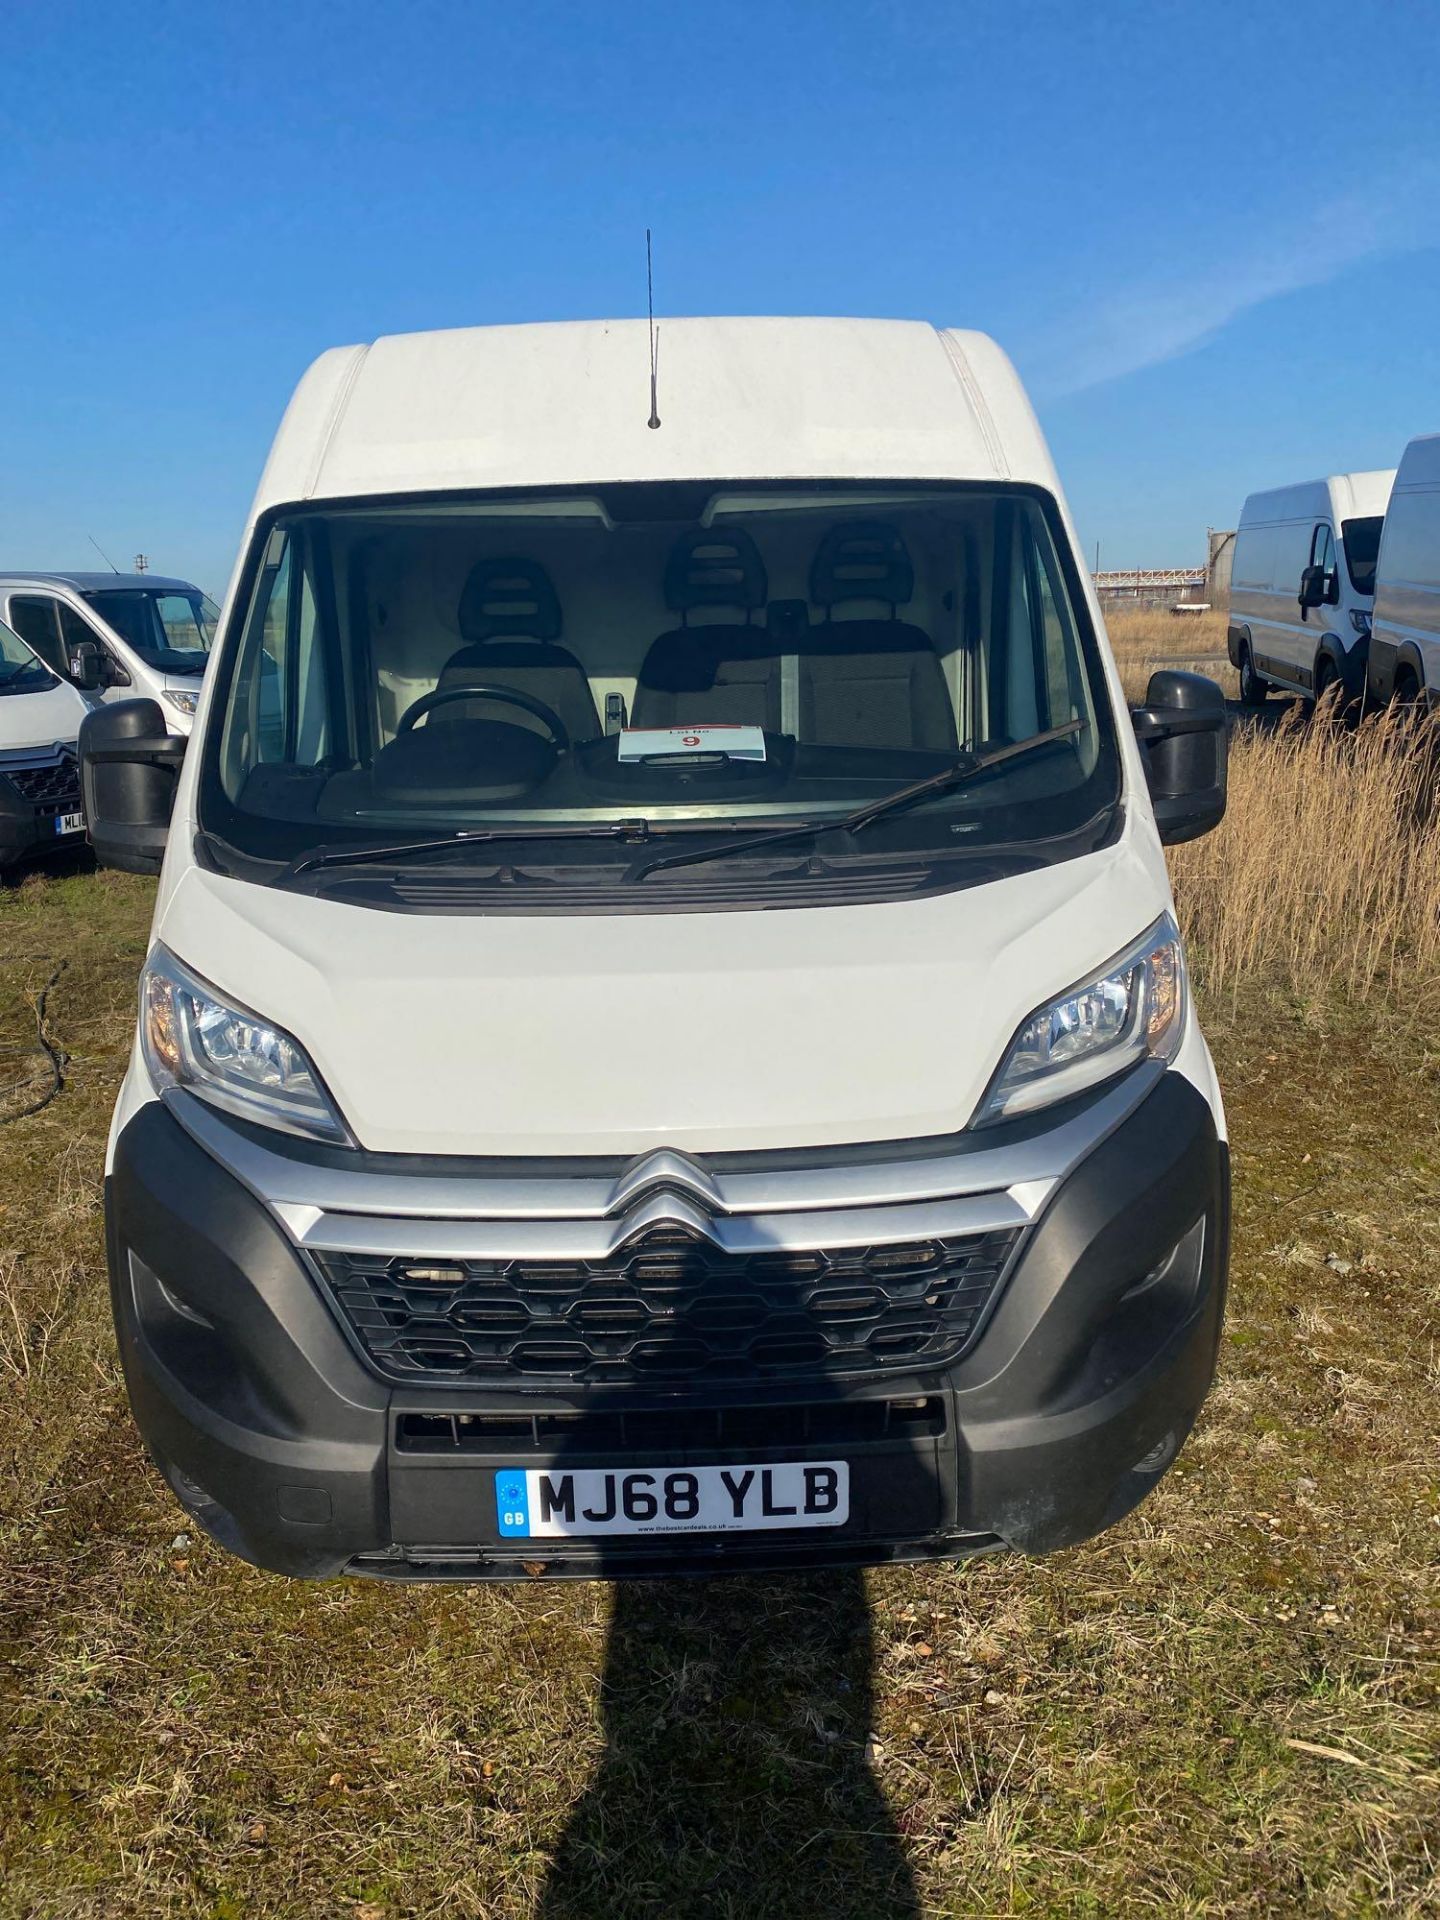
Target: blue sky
{"x": 1208, "y": 235}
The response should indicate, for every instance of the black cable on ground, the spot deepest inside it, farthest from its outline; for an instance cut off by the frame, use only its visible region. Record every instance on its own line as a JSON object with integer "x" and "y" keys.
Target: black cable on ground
{"x": 54, "y": 1069}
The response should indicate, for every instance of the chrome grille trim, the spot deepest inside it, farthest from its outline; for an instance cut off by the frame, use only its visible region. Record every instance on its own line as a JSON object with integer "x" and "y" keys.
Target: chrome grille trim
{"x": 742, "y": 1235}
{"x": 1027, "y": 1170}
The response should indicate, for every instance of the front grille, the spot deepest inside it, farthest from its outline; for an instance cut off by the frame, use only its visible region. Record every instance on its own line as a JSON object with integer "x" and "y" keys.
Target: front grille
{"x": 52, "y": 789}
{"x": 670, "y": 1308}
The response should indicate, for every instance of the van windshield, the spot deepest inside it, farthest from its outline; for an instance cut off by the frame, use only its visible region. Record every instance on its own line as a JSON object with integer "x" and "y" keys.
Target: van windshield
{"x": 1362, "y": 547}
{"x": 21, "y": 671}
{"x": 171, "y": 629}
{"x": 662, "y": 660}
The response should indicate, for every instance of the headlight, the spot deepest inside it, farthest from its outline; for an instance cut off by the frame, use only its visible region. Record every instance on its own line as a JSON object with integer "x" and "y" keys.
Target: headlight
{"x": 193, "y": 1038}
{"x": 1133, "y": 1011}
{"x": 186, "y": 702}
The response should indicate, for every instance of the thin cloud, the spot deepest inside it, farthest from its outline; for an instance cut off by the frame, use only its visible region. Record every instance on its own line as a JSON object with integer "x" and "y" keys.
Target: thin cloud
{"x": 1176, "y": 312}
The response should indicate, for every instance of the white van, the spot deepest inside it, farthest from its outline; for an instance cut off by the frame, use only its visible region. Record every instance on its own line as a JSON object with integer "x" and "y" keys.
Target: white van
{"x": 666, "y": 1046}
{"x": 1405, "y": 636}
{"x": 40, "y": 717}
{"x": 121, "y": 636}
{"x": 1303, "y": 584}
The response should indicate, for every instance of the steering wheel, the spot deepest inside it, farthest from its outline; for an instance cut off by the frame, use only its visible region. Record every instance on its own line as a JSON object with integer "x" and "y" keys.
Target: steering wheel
{"x": 512, "y": 696}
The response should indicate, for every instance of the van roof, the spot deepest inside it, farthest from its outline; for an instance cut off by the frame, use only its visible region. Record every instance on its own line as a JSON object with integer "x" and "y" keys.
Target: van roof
{"x": 98, "y": 582}
{"x": 1345, "y": 494}
{"x": 1420, "y": 462}
{"x": 563, "y": 404}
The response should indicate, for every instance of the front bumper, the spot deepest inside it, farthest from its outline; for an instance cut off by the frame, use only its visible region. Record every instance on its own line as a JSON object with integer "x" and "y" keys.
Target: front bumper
{"x": 293, "y": 1451}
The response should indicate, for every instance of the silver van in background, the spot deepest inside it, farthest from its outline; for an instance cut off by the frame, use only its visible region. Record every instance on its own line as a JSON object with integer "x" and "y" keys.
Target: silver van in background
{"x": 1405, "y": 633}
{"x": 117, "y": 636}
{"x": 1303, "y": 585}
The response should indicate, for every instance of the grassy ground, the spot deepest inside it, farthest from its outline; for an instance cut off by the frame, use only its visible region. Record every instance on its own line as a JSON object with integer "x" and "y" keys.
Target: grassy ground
{"x": 1228, "y": 1705}
{"x": 1143, "y": 641}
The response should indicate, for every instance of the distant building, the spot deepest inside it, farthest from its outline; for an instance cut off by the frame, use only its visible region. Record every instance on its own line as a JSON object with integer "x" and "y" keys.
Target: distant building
{"x": 1217, "y": 565}
{"x": 1155, "y": 587}
{"x": 1150, "y": 586}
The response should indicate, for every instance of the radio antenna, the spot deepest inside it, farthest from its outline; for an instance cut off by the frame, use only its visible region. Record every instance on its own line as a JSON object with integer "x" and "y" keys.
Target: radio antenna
{"x": 654, "y": 419}
{"x": 102, "y": 553}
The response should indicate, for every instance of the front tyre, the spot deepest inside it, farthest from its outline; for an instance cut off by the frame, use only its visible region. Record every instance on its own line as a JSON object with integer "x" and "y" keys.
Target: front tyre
{"x": 1253, "y": 690}
{"x": 1331, "y": 703}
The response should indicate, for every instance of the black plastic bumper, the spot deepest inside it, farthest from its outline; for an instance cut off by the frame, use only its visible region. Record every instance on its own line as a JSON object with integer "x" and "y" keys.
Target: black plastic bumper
{"x": 283, "y": 1444}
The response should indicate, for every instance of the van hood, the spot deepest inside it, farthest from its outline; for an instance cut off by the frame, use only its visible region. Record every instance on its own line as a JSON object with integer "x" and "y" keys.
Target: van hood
{"x": 47, "y": 717}
{"x": 616, "y": 1034}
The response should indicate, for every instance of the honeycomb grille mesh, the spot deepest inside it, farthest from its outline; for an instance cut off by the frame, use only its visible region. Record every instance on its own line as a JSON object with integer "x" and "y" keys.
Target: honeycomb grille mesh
{"x": 669, "y": 1307}
{"x": 54, "y": 789}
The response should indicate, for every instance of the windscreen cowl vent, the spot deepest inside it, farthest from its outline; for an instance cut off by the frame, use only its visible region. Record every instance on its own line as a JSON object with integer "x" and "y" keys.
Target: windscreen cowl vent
{"x": 690, "y": 894}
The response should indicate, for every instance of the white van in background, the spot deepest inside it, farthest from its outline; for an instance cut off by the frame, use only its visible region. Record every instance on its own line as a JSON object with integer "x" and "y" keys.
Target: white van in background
{"x": 1405, "y": 632}
{"x": 665, "y": 1045}
{"x": 40, "y": 717}
{"x": 121, "y": 636}
{"x": 1303, "y": 585}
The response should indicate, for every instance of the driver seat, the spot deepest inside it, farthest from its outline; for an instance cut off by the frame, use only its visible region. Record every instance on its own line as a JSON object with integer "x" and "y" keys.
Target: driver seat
{"x": 509, "y": 619}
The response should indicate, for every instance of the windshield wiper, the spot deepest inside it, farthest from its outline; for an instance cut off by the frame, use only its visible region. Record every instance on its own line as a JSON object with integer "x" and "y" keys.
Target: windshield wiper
{"x": 964, "y": 770}
{"x": 318, "y": 857}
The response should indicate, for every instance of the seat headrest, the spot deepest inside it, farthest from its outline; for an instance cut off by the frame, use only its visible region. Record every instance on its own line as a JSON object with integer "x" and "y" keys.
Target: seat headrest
{"x": 715, "y": 568}
{"x": 513, "y": 597}
{"x": 861, "y": 560}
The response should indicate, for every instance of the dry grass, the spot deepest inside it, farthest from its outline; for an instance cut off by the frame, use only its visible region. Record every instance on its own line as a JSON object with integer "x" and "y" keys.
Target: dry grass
{"x": 1324, "y": 879}
{"x": 1325, "y": 873}
{"x": 1144, "y": 641}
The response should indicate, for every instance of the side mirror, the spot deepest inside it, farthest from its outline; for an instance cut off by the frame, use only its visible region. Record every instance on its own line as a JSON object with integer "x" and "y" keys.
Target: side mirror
{"x": 129, "y": 766}
{"x": 1184, "y": 735}
{"x": 87, "y": 666}
{"x": 1312, "y": 589}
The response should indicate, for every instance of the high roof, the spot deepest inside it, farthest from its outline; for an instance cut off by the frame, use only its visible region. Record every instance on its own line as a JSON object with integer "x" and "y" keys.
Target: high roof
{"x": 1343, "y": 493}
{"x": 567, "y": 404}
{"x": 104, "y": 582}
{"x": 1420, "y": 464}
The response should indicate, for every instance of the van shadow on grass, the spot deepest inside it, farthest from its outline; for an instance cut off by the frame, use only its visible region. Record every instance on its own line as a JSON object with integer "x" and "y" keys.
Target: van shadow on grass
{"x": 734, "y": 1780}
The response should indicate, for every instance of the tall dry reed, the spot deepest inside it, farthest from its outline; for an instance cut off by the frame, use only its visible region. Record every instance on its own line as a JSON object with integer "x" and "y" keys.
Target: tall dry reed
{"x": 1324, "y": 877}
{"x": 1142, "y": 641}
{"x": 1325, "y": 873}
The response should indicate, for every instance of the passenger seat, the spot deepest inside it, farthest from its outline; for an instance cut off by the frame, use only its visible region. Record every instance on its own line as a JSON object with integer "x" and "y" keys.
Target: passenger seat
{"x": 510, "y": 619}
{"x": 725, "y": 673}
{"x": 869, "y": 682}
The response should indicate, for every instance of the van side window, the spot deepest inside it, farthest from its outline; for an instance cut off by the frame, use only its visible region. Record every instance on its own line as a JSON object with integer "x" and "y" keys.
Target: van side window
{"x": 35, "y": 622}
{"x": 1322, "y": 548}
{"x": 1361, "y": 541}
{"x": 278, "y": 712}
{"x": 74, "y": 628}
{"x": 1035, "y": 667}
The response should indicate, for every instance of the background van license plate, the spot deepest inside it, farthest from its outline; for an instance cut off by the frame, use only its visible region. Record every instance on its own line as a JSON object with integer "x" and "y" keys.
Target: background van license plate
{"x": 557, "y": 1501}
{"x": 69, "y": 823}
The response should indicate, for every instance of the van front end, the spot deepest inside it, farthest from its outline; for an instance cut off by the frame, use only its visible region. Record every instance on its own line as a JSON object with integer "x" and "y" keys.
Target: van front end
{"x": 39, "y": 776}
{"x": 993, "y": 1341}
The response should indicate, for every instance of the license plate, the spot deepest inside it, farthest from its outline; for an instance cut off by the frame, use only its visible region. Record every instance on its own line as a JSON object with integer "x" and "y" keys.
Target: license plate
{"x": 69, "y": 823}
{"x": 557, "y": 1502}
